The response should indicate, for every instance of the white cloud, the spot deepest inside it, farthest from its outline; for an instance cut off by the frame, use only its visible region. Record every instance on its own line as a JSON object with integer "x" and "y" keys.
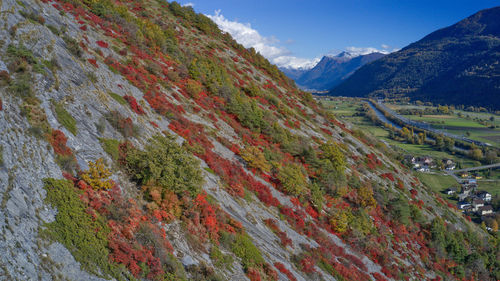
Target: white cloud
{"x": 189, "y": 4}
{"x": 358, "y": 51}
{"x": 269, "y": 47}
{"x": 295, "y": 62}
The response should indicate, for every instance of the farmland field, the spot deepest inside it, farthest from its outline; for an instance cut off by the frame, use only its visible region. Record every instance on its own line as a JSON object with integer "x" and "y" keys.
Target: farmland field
{"x": 461, "y": 123}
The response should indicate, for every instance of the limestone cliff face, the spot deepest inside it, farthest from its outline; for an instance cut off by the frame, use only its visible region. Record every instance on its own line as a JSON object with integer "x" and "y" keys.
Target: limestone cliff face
{"x": 71, "y": 79}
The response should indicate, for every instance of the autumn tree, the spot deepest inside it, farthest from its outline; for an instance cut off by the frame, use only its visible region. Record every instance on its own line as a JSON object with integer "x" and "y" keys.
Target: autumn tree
{"x": 255, "y": 158}
{"x": 365, "y": 194}
{"x": 340, "y": 219}
{"x": 332, "y": 165}
{"x": 292, "y": 178}
{"x": 476, "y": 154}
{"x": 494, "y": 226}
{"x": 193, "y": 88}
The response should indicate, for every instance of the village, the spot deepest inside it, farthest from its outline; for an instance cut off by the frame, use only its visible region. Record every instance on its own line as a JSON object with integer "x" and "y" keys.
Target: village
{"x": 473, "y": 201}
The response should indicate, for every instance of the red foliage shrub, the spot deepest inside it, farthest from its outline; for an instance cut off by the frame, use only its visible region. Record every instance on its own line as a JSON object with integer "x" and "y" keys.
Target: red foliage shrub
{"x": 414, "y": 193}
{"x": 93, "y": 62}
{"x": 272, "y": 275}
{"x": 134, "y": 105}
{"x": 253, "y": 274}
{"x": 312, "y": 212}
{"x": 126, "y": 126}
{"x": 388, "y": 176}
{"x": 102, "y": 44}
{"x": 285, "y": 241}
{"x": 58, "y": 141}
{"x": 400, "y": 184}
{"x": 5, "y": 76}
{"x": 295, "y": 201}
{"x": 285, "y": 271}
{"x": 307, "y": 265}
{"x": 294, "y": 218}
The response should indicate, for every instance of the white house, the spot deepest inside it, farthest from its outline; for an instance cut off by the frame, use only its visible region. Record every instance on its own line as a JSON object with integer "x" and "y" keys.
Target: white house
{"x": 450, "y": 167}
{"x": 484, "y": 195}
{"x": 450, "y": 191}
{"x": 477, "y": 204}
{"x": 485, "y": 210}
{"x": 463, "y": 205}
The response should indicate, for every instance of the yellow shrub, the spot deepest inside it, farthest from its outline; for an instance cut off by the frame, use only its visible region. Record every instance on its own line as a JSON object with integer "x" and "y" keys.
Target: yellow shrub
{"x": 340, "y": 220}
{"x": 98, "y": 175}
{"x": 255, "y": 159}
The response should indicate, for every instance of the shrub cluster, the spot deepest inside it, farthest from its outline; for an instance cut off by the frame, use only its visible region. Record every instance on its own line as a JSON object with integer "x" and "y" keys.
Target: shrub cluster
{"x": 165, "y": 163}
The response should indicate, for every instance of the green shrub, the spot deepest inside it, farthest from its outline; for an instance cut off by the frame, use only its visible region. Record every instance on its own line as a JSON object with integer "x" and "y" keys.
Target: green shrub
{"x": 165, "y": 163}
{"x": 118, "y": 98}
{"x": 73, "y": 46}
{"x": 20, "y": 52}
{"x": 21, "y": 86}
{"x": 64, "y": 118}
{"x": 33, "y": 17}
{"x": 400, "y": 210}
{"x": 1, "y": 155}
{"x": 220, "y": 259}
{"x": 76, "y": 229}
{"x": 292, "y": 178}
{"x": 244, "y": 248}
{"x": 54, "y": 29}
{"x": 125, "y": 126}
{"x": 92, "y": 77}
{"x": 111, "y": 147}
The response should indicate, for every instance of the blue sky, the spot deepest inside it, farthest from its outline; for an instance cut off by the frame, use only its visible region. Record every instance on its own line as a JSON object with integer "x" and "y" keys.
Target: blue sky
{"x": 295, "y": 32}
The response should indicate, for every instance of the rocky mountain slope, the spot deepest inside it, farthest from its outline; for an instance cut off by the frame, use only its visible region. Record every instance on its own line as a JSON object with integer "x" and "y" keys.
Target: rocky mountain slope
{"x": 333, "y": 70}
{"x": 454, "y": 65}
{"x": 138, "y": 142}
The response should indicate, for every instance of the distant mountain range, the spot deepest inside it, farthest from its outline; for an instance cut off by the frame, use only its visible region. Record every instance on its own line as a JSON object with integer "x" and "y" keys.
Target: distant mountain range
{"x": 459, "y": 64}
{"x": 330, "y": 71}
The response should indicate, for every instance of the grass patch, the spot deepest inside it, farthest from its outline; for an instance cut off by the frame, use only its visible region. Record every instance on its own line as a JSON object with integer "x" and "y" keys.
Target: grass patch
{"x": 446, "y": 120}
{"x": 493, "y": 187}
{"x": 75, "y": 229}
{"x": 437, "y": 182}
{"x": 118, "y": 98}
{"x": 64, "y": 118}
{"x": 111, "y": 147}
{"x": 209, "y": 170}
{"x": 21, "y": 86}
{"x": 73, "y": 46}
{"x": 244, "y": 248}
{"x": 220, "y": 259}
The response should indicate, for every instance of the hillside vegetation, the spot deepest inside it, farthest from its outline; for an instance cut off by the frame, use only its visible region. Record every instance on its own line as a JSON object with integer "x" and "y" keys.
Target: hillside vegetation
{"x": 139, "y": 142}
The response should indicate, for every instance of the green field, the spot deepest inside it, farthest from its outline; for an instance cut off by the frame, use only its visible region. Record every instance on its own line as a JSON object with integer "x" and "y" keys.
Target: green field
{"x": 344, "y": 109}
{"x": 341, "y": 108}
{"x": 467, "y": 122}
{"x": 438, "y": 183}
{"x": 492, "y": 187}
{"x": 446, "y": 120}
